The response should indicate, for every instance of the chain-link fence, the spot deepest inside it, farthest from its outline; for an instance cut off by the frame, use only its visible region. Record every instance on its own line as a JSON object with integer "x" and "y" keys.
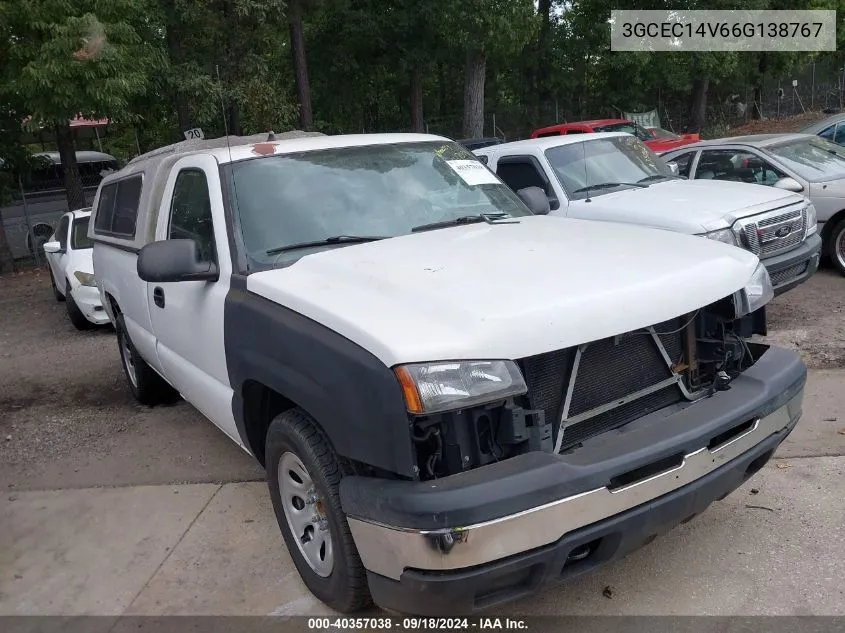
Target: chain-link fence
{"x": 815, "y": 86}
{"x": 38, "y": 202}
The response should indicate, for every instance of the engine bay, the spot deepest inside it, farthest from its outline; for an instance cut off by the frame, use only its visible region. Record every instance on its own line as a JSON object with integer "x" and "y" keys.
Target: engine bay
{"x": 581, "y": 392}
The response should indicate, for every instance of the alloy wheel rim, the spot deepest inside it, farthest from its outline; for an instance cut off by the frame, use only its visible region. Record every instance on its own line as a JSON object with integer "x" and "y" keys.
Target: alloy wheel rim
{"x": 839, "y": 248}
{"x": 305, "y": 514}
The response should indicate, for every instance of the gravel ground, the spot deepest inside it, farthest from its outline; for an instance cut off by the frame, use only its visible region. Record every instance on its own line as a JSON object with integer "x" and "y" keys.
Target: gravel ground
{"x": 811, "y": 320}
{"x": 67, "y": 418}
{"x": 774, "y": 125}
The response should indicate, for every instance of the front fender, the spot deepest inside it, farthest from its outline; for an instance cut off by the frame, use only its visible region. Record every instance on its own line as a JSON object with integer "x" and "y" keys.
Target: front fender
{"x": 354, "y": 397}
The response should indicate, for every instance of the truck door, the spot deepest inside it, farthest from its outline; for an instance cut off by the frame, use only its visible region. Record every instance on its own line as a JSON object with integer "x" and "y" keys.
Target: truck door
{"x": 187, "y": 316}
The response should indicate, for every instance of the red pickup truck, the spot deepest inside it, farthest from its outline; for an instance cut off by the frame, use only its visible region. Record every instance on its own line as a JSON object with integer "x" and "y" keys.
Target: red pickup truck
{"x": 658, "y": 139}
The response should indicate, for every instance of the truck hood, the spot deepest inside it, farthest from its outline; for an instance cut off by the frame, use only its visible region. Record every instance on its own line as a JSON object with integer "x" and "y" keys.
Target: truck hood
{"x": 686, "y": 206}
{"x": 487, "y": 291}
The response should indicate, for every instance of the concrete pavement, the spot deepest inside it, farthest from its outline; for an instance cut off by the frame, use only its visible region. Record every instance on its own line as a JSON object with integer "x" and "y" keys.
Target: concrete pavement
{"x": 209, "y": 549}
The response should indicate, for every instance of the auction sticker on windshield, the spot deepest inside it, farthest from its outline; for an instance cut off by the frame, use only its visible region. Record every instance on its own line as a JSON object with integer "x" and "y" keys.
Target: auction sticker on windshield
{"x": 473, "y": 172}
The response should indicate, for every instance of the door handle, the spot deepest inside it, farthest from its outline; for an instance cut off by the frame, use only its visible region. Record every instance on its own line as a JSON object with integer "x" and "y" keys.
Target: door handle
{"x": 158, "y": 296}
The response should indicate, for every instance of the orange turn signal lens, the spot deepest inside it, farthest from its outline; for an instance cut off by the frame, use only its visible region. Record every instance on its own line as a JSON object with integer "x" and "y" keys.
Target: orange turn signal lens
{"x": 409, "y": 389}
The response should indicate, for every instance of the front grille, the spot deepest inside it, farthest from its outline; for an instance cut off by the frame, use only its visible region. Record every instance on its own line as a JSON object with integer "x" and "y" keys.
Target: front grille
{"x": 774, "y": 232}
{"x": 788, "y": 273}
{"x": 608, "y": 370}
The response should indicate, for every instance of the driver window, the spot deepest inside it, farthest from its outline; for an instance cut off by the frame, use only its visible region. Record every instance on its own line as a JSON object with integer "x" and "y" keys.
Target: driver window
{"x": 737, "y": 166}
{"x": 520, "y": 174}
{"x": 684, "y": 162}
{"x": 190, "y": 213}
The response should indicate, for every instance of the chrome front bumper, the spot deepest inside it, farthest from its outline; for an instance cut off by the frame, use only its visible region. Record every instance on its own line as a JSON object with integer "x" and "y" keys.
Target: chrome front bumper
{"x": 388, "y": 550}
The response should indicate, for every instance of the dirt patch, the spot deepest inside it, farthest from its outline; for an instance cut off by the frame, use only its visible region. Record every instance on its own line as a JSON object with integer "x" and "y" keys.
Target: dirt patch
{"x": 67, "y": 418}
{"x": 778, "y": 126}
{"x": 810, "y": 319}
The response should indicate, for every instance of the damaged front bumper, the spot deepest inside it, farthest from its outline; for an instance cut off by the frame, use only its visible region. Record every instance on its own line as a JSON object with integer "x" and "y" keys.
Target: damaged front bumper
{"x": 492, "y": 534}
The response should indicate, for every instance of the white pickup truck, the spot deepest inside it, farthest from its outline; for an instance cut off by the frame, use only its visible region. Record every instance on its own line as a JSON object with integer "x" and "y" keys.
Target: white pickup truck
{"x": 613, "y": 176}
{"x": 452, "y": 408}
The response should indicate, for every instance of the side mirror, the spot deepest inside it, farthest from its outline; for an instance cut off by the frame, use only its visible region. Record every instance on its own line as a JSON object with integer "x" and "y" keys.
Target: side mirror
{"x": 673, "y": 167}
{"x": 52, "y": 247}
{"x": 174, "y": 260}
{"x": 790, "y": 184}
{"x": 535, "y": 199}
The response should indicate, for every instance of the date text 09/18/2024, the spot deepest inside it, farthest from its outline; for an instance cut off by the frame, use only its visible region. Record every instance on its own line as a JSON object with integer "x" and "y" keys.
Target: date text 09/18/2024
{"x": 417, "y": 623}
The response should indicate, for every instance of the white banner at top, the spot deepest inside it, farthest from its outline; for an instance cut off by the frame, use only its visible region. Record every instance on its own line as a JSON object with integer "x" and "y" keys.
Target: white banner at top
{"x": 646, "y": 119}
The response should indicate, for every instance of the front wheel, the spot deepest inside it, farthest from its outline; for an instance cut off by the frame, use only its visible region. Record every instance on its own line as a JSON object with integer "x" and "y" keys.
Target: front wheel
{"x": 303, "y": 474}
{"x": 836, "y": 247}
{"x": 58, "y": 295}
{"x": 76, "y": 317}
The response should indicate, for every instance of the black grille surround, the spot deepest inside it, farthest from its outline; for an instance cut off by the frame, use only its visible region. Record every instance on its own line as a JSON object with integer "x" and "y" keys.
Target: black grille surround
{"x": 608, "y": 371}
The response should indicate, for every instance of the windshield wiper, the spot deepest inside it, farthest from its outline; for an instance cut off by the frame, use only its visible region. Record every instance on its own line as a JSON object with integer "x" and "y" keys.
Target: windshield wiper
{"x": 608, "y": 185}
{"x": 336, "y": 239}
{"x": 490, "y": 218}
{"x": 654, "y": 177}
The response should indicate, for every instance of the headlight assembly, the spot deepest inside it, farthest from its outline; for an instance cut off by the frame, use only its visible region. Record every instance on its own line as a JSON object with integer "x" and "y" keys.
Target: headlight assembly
{"x": 722, "y": 235}
{"x": 448, "y": 385}
{"x": 812, "y": 220}
{"x": 86, "y": 279}
{"x": 757, "y": 292}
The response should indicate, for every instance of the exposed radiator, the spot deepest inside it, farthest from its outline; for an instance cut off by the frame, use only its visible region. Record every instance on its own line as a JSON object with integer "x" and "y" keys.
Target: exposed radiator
{"x": 617, "y": 380}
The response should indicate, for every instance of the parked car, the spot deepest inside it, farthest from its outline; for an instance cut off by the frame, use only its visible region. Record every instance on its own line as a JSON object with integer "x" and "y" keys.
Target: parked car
{"x": 70, "y": 264}
{"x": 655, "y": 138}
{"x": 614, "y": 177}
{"x": 663, "y": 140}
{"x": 831, "y": 129}
{"x": 432, "y": 377}
{"x": 45, "y": 200}
{"x": 801, "y": 163}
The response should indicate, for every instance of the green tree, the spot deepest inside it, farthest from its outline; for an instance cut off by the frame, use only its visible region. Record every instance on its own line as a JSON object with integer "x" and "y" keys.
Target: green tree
{"x": 245, "y": 44}
{"x": 300, "y": 62}
{"x": 481, "y": 29}
{"x": 14, "y": 160}
{"x": 83, "y": 58}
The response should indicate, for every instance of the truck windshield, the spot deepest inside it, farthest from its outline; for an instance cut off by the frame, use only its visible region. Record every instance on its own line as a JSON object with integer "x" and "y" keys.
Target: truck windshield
{"x": 813, "y": 158}
{"x": 374, "y": 190}
{"x": 617, "y": 161}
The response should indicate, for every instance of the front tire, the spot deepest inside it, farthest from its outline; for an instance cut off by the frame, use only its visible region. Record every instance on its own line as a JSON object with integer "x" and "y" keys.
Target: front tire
{"x": 58, "y": 295}
{"x": 147, "y": 386}
{"x": 303, "y": 474}
{"x": 836, "y": 247}
{"x": 76, "y": 317}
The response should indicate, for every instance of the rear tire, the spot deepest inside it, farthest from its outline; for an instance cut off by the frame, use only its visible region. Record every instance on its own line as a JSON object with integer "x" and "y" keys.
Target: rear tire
{"x": 836, "y": 248}
{"x": 58, "y": 295}
{"x": 297, "y": 450}
{"x": 147, "y": 386}
{"x": 76, "y": 317}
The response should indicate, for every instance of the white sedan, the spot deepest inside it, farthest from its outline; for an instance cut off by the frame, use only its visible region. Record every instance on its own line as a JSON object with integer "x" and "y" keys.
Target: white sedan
{"x": 69, "y": 261}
